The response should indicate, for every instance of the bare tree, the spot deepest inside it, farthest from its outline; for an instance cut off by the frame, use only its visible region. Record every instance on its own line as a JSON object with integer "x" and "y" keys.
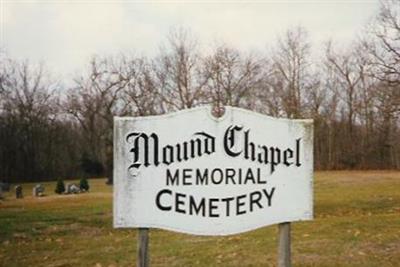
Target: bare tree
{"x": 28, "y": 110}
{"x": 140, "y": 94}
{"x": 178, "y": 72}
{"x": 383, "y": 45}
{"x": 383, "y": 42}
{"x": 349, "y": 72}
{"x": 233, "y": 79}
{"x": 93, "y": 102}
{"x": 291, "y": 65}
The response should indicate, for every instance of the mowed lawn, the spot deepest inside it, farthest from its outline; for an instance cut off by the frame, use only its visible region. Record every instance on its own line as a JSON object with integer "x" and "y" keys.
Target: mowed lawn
{"x": 357, "y": 223}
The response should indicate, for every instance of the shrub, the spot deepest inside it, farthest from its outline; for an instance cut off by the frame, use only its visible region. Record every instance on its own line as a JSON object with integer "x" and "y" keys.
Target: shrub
{"x": 84, "y": 184}
{"x": 60, "y": 186}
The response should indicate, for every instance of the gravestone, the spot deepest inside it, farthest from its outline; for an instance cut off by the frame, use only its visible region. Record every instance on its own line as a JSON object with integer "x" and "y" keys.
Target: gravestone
{"x": 72, "y": 189}
{"x": 5, "y": 186}
{"x": 18, "y": 191}
{"x": 38, "y": 190}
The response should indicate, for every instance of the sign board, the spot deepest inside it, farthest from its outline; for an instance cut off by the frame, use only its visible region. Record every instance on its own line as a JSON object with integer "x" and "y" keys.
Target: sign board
{"x": 194, "y": 173}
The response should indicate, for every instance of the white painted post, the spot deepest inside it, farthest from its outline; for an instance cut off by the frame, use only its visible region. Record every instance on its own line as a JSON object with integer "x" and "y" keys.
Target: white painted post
{"x": 142, "y": 250}
{"x": 284, "y": 245}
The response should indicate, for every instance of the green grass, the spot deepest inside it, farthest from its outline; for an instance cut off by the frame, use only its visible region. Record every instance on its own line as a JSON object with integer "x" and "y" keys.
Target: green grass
{"x": 357, "y": 223}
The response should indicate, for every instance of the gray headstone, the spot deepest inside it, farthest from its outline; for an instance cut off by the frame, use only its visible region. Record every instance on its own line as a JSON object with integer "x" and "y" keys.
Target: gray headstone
{"x": 18, "y": 191}
{"x": 67, "y": 186}
{"x": 5, "y": 186}
{"x": 72, "y": 189}
{"x": 38, "y": 190}
{"x": 66, "y": 191}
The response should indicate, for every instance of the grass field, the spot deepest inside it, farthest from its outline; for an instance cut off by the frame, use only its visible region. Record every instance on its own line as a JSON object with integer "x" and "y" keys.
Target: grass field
{"x": 357, "y": 223}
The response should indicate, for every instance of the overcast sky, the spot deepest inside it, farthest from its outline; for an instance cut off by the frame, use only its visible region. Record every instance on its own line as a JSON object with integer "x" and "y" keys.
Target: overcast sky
{"x": 64, "y": 34}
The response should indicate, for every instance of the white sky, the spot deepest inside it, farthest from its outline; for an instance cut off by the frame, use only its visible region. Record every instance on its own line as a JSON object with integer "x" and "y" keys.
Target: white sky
{"x": 64, "y": 34}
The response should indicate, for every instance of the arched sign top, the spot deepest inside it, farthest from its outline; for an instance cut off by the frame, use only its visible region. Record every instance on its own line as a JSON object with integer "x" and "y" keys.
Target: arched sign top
{"x": 208, "y": 111}
{"x": 191, "y": 172}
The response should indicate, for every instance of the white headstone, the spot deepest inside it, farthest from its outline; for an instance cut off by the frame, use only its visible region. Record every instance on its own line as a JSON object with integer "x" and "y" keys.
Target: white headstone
{"x": 38, "y": 190}
{"x": 72, "y": 189}
{"x": 191, "y": 172}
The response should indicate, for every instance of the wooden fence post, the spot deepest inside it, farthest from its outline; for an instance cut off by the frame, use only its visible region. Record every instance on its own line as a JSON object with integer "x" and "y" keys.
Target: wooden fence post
{"x": 143, "y": 248}
{"x": 284, "y": 245}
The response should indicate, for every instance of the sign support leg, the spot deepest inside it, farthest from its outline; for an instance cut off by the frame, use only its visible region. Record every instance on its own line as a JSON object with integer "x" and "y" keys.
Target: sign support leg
{"x": 284, "y": 245}
{"x": 142, "y": 250}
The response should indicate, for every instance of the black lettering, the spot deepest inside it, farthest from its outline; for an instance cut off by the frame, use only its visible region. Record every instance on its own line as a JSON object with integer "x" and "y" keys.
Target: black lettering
{"x": 298, "y": 164}
{"x": 173, "y": 180}
{"x": 202, "y": 179}
{"x": 221, "y": 176}
{"x": 230, "y": 174}
{"x": 158, "y": 199}
{"x": 229, "y": 140}
{"x": 239, "y": 204}
{"x": 187, "y": 174}
{"x": 185, "y": 151}
{"x": 255, "y": 198}
{"x": 287, "y": 154}
{"x": 168, "y": 154}
{"x": 259, "y": 181}
{"x": 209, "y": 142}
{"x": 179, "y": 202}
{"x": 249, "y": 176}
{"x": 201, "y": 206}
{"x": 240, "y": 176}
{"x": 178, "y": 153}
{"x": 136, "y": 148}
{"x": 249, "y": 146}
{"x": 195, "y": 146}
{"x": 275, "y": 158}
{"x": 263, "y": 155}
{"x": 227, "y": 201}
{"x": 269, "y": 195}
{"x": 212, "y": 207}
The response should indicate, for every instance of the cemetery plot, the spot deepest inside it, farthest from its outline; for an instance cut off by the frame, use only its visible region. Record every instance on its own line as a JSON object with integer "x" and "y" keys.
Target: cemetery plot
{"x": 356, "y": 223}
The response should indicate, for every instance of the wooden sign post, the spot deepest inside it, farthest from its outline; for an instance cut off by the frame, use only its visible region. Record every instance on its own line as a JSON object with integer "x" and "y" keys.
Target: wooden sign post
{"x": 194, "y": 173}
{"x": 284, "y": 259}
{"x": 143, "y": 248}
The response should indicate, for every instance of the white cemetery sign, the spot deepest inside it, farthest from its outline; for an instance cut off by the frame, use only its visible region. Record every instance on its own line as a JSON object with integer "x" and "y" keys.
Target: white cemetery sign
{"x": 194, "y": 173}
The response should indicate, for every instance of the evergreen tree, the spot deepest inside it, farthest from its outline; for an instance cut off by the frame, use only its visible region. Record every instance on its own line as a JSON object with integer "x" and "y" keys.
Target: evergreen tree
{"x": 84, "y": 184}
{"x": 60, "y": 186}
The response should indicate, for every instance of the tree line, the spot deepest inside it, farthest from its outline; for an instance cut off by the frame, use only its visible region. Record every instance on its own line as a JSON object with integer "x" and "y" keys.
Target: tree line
{"x": 49, "y": 130}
